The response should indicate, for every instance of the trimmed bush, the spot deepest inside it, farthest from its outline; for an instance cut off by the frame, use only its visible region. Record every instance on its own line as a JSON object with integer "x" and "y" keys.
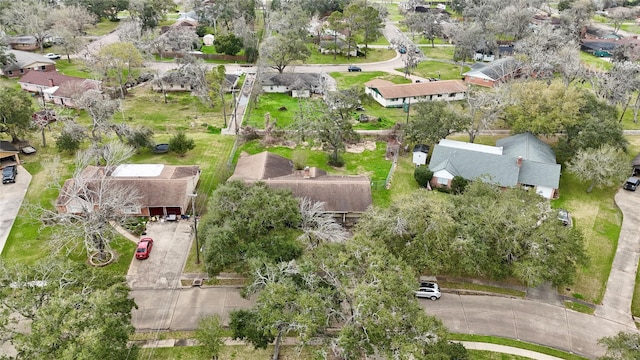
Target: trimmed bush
{"x": 423, "y": 175}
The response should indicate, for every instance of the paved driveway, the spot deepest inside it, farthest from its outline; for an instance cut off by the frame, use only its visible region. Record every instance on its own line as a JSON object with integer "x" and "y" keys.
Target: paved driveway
{"x": 616, "y": 304}
{"x": 11, "y": 196}
{"x": 171, "y": 243}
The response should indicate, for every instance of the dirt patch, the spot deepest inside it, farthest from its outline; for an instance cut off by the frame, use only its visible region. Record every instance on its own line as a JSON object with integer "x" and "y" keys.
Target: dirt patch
{"x": 361, "y": 147}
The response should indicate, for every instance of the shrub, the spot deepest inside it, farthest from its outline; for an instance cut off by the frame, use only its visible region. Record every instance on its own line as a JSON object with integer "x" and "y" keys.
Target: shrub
{"x": 67, "y": 142}
{"x": 180, "y": 143}
{"x": 458, "y": 184}
{"x": 336, "y": 162}
{"x": 423, "y": 175}
{"x": 299, "y": 159}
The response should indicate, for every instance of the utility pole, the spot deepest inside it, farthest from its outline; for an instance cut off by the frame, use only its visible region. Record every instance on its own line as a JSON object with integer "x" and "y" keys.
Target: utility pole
{"x": 195, "y": 225}
{"x": 235, "y": 107}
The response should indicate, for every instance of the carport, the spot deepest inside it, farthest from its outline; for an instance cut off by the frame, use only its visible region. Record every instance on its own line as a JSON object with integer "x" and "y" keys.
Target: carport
{"x": 8, "y": 154}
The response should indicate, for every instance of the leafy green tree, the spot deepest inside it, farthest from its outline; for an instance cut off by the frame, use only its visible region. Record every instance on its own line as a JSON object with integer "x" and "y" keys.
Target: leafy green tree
{"x": 119, "y": 62}
{"x": 513, "y": 232}
{"x": 622, "y": 346}
{"x": 280, "y": 51}
{"x": 102, "y": 8}
{"x": 333, "y": 128}
{"x": 66, "y": 142}
{"x": 248, "y": 221}
{"x": 5, "y": 57}
{"x": 150, "y": 12}
{"x": 370, "y": 24}
{"x": 16, "y": 109}
{"x": 228, "y": 44}
{"x": 423, "y": 175}
{"x": 181, "y": 144}
{"x": 210, "y": 334}
{"x": 217, "y": 80}
{"x": 603, "y": 166}
{"x": 355, "y": 297}
{"x": 433, "y": 121}
{"x": 417, "y": 228}
{"x": 65, "y": 311}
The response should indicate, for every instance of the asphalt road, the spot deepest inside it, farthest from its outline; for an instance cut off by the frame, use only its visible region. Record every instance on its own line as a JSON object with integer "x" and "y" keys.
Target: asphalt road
{"x": 11, "y": 197}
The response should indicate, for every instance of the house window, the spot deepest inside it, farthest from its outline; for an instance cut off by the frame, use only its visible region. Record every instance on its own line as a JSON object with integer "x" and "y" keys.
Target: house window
{"x": 443, "y": 181}
{"x": 452, "y": 95}
{"x": 131, "y": 209}
{"x": 42, "y": 67}
{"x": 21, "y": 71}
{"x": 10, "y": 72}
{"x": 439, "y": 95}
{"x": 182, "y": 86}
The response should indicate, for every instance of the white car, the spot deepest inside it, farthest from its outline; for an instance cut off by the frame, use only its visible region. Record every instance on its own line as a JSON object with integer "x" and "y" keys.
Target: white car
{"x": 52, "y": 56}
{"x": 430, "y": 293}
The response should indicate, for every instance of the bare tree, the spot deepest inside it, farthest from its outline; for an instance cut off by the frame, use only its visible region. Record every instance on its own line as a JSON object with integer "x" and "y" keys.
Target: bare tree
{"x": 30, "y": 17}
{"x": 484, "y": 108}
{"x": 93, "y": 201}
{"x": 70, "y": 27}
{"x": 101, "y": 110}
{"x": 319, "y": 226}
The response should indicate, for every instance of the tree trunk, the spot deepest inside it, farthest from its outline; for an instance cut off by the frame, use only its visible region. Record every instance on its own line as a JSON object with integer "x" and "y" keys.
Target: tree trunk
{"x": 276, "y": 346}
{"x": 335, "y": 45}
{"x": 625, "y": 109}
{"x": 590, "y": 188}
{"x": 44, "y": 139}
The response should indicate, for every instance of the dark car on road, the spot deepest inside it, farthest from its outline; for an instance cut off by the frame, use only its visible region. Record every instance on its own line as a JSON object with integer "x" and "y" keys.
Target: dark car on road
{"x": 632, "y": 183}
{"x": 9, "y": 174}
{"x": 354, "y": 68}
{"x": 144, "y": 248}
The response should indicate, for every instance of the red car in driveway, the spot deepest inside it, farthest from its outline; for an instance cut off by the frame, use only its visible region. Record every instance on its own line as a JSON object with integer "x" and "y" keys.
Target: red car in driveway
{"x": 144, "y": 248}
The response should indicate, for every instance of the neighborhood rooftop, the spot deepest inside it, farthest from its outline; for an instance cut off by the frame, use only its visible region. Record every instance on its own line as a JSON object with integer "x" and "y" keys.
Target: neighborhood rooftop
{"x": 390, "y": 90}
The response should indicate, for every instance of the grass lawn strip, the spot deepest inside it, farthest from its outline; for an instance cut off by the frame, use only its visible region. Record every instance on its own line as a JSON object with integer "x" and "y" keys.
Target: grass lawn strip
{"x": 516, "y": 344}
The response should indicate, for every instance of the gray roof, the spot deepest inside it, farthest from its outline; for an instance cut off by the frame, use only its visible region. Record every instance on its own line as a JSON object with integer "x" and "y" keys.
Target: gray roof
{"x": 538, "y": 167}
{"x": 299, "y": 80}
{"x": 24, "y": 59}
{"x": 496, "y": 70}
{"x": 469, "y": 164}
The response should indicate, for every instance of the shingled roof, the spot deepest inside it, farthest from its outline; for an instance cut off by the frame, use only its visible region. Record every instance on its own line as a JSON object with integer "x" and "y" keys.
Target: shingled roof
{"x": 24, "y": 59}
{"x": 500, "y": 163}
{"x": 496, "y": 70}
{"x": 389, "y": 90}
{"x": 340, "y": 194}
{"x": 300, "y": 80}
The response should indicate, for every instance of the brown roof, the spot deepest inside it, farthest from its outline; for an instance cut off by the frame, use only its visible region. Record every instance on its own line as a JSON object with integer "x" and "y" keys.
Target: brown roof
{"x": 339, "y": 193}
{"x": 67, "y": 84}
{"x": 392, "y": 91}
{"x": 264, "y": 165}
{"x": 168, "y": 189}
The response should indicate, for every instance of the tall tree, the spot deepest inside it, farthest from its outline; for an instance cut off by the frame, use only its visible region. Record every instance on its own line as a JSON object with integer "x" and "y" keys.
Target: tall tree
{"x": 279, "y": 52}
{"x": 370, "y": 24}
{"x": 247, "y": 221}
{"x": 71, "y": 27}
{"x": 95, "y": 202}
{"x": 101, "y": 8}
{"x": 30, "y": 17}
{"x": 59, "y": 310}
{"x": 355, "y": 299}
{"x": 150, "y": 12}
{"x": 217, "y": 81}
{"x": 16, "y": 109}
{"x": 333, "y": 128}
{"x": 210, "y": 336}
{"x": 228, "y": 44}
{"x": 604, "y": 166}
{"x": 101, "y": 109}
{"x": 432, "y": 121}
{"x": 119, "y": 62}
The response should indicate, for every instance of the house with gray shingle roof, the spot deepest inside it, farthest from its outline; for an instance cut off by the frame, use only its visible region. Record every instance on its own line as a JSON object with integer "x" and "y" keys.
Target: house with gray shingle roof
{"x": 296, "y": 84}
{"x": 389, "y": 94}
{"x": 493, "y": 73}
{"x": 519, "y": 160}
{"x": 25, "y": 62}
{"x": 345, "y": 197}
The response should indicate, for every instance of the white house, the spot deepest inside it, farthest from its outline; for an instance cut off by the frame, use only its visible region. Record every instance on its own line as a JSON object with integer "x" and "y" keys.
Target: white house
{"x": 389, "y": 94}
{"x": 297, "y": 84}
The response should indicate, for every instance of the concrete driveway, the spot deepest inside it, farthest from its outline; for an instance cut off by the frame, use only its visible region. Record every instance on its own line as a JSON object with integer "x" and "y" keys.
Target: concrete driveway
{"x": 162, "y": 270}
{"x": 616, "y": 303}
{"x": 11, "y": 197}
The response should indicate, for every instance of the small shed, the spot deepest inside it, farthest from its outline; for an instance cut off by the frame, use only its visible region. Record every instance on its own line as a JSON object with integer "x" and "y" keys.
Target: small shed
{"x": 636, "y": 165}
{"x": 420, "y": 153}
{"x": 208, "y": 39}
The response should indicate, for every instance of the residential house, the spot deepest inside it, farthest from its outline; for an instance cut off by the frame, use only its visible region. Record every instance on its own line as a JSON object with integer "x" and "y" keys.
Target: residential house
{"x": 163, "y": 189}
{"x": 8, "y": 154}
{"x": 57, "y": 88}
{"x": 24, "y": 43}
{"x": 493, "y": 73}
{"x": 295, "y": 84}
{"x": 389, "y": 94}
{"x": 345, "y": 197}
{"x": 519, "y": 160}
{"x": 175, "y": 81}
{"x": 25, "y": 62}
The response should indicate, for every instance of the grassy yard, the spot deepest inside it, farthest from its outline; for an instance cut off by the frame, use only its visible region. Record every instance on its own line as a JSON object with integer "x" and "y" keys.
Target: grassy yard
{"x": 75, "y": 68}
{"x": 374, "y": 55}
{"x": 227, "y": 353}
{"x": 281, "y": 108}
{"x": 349, "y": 79}
{"x": 594, "y": 61}
{"x": 516, "y": 344}
{"x": 438, "y": 52}
{"x": 439, "y": 69}
{"x": 103, "y": 27}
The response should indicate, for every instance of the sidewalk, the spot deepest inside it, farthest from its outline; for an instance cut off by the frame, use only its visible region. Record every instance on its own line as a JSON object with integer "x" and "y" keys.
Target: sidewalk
{"x": 290, "y": 341}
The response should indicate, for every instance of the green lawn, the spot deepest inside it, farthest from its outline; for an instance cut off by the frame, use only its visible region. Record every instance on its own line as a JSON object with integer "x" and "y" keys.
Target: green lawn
{"x": 438, "y": 52}
{"x": 349, "y": 79}
{"x": 281, "y": 108}
{"x": 74, "y": 68}
{"x": 439, "y": 69}
{"x": 594, "y": 61}
{"x": 516, "y": 344}
{"x": 227, "y": 353}
{"x": 374, "y": 55}
{"x": 103, "y": 27}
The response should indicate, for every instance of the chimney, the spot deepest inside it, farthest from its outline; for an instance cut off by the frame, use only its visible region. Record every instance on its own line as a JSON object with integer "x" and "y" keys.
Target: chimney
{"x": 519, "y": 161}
{"x": 51, "y": 83}
{"x": 306, "y": 173}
